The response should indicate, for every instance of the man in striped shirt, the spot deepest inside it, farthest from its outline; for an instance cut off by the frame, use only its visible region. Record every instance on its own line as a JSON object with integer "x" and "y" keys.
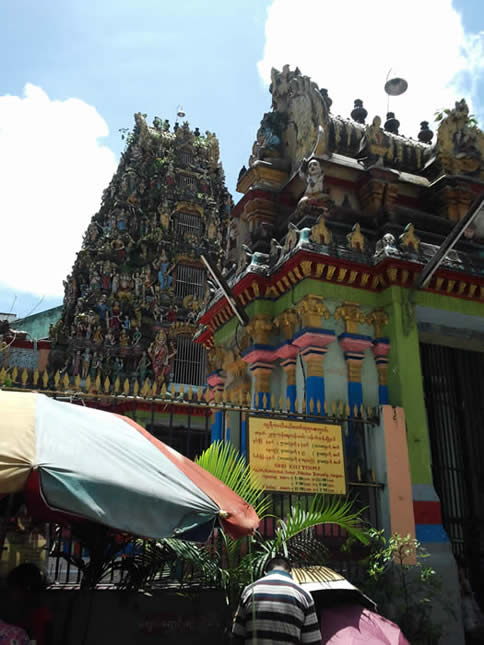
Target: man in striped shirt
{"x": 275, "y": 609}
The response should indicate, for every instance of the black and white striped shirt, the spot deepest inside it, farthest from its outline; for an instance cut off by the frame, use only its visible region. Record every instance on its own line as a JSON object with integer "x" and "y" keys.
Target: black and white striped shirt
{"x": 275, "y": 609}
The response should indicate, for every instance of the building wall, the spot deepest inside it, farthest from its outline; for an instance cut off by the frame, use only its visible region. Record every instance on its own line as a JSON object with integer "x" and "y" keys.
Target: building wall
{"x": 37, "y": 325}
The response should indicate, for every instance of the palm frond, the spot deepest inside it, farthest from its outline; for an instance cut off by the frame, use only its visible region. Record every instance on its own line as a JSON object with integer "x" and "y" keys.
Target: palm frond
{"x": 324, "y": 510}
{"x": 303, "y": 549}
{"x": 205, "y": 563}
{"x": 225, "y": 462}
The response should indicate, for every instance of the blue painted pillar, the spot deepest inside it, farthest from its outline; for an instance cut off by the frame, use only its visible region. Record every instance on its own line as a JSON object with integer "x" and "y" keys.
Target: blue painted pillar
{"x": 289, "y": 366}
{"x": 217, "y": 426}
{"x": 354, "y": 346}
{"x": 381, "y": 347}
{"x": 243, "y": 434}
{"x": 216, "y": 384}
{"x": 354, "y": 364}
{"x": 262, "y": 384}
{"x": 313, "y": 345}
{"x": 313, "y": 361}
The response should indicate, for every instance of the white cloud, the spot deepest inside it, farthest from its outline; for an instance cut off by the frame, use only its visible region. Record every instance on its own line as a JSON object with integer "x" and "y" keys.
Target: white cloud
{"x": 52, "y": 174}
{"x": 348, "y": 47}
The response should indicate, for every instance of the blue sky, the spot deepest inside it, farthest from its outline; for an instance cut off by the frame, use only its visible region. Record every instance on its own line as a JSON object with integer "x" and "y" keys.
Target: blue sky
{"x": 212, "y": 56}
{"x": 144, "y": 55}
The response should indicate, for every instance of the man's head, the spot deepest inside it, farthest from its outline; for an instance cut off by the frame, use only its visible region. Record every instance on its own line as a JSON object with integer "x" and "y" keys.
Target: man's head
{"x": 279, "y": 562}
{"x": 24, "y": 583}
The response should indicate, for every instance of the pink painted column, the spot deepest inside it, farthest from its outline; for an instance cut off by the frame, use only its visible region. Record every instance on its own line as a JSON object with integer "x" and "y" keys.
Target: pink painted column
{"x": 397, "y": 471}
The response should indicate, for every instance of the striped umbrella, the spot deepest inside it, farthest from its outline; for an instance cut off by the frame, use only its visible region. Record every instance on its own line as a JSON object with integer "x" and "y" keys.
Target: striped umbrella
{"x": 73, "y": 462}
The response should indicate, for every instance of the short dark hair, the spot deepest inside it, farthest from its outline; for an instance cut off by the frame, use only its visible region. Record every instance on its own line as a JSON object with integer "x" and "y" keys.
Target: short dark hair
{"x": 279, "y": 562}
{"x": 26, "y": 576}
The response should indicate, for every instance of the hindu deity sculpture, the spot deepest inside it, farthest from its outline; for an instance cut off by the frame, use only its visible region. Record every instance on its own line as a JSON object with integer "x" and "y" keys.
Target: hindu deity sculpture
{"x": 312, "y": 173}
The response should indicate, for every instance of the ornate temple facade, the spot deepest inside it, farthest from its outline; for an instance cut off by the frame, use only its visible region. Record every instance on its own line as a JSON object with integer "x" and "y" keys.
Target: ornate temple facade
{"x": 137, "y": 283}
{"x": 336, "y": 221}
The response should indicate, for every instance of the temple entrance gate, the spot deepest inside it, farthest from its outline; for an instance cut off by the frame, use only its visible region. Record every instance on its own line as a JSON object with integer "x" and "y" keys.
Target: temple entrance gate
{"x": 454, "y": 396}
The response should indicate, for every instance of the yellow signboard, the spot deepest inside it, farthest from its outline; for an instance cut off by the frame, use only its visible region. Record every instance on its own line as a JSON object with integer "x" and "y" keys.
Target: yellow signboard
{"x": 296, "y": 456}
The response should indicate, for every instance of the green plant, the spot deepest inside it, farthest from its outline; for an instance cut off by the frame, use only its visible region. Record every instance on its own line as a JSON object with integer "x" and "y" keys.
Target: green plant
{"x": 127, "y": 135}
{"x": 405, "y": 590}
{"x": 240, "y": 561}
{"x": 471, "y": 119}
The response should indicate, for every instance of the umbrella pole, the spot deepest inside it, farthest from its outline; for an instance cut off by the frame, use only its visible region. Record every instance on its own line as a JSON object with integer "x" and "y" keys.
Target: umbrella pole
{"x": 4, "y": 523}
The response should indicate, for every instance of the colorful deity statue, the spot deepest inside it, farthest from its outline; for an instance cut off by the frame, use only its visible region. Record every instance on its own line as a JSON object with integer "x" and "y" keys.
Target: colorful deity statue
{"x": 115, "y": 316}
{"x": 124, "y": 286}
{"x": 314, "y": 177}
{"x": 103, "y": 308}
{"x": 138, "y": 285}
{"x": 86, "y": 362}
{"x": 115, "y": 284}
{"x": 121, "y": 221}
{"x": 97, "y": 336}
{"x": 95, "y": 281}
{"x": 76, "y": 364}
{"x": 106, "y": 275}
{"x": 163, "y": 211}
{"x": 164, "y": 269}
{"x": 161, "y": 356}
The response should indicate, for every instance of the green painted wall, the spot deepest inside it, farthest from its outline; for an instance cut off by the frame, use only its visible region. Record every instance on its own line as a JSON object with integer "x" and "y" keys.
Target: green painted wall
{"x": 404, "y": 372}
{"x": 406, "y": 386}
{"x": 456, "y": 305}
{"x": 37, "y": 325}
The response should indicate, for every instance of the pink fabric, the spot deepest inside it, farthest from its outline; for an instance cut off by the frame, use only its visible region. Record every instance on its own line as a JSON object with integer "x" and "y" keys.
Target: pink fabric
{"x": 11, "y": 634}
{"x": 354, "y": 625}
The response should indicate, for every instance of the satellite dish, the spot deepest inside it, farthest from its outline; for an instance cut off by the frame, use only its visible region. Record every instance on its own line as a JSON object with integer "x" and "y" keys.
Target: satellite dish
{"x": 396, "y": 86}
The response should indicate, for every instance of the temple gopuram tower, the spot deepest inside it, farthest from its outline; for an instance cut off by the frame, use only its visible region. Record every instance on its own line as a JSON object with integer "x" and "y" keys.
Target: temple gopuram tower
{"x": 137, "y": 283}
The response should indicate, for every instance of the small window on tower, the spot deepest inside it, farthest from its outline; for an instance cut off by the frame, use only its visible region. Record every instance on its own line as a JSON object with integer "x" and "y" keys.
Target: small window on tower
{"x": 187, "y": 180}
{"x": 187, "y": 223}
{"x": 189, "y": 281}
{"x": 186, "y": 157}
{"x": 190, "y": 362}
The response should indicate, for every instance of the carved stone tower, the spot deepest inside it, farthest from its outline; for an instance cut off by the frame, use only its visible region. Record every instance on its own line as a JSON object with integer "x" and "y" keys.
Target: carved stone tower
{"x": 137, "y": 284}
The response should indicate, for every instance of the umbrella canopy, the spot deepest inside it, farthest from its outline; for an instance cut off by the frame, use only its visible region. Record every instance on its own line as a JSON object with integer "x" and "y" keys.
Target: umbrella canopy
{"x": 98, "y": 466}
{"x": 347, "y": 614}
{"x": 328, "y": 586}
{"x": 355, "y": 625}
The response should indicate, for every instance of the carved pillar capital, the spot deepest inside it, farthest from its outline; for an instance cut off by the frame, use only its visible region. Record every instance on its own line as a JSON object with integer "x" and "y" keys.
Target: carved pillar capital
{"x": 351, "y": 314}
{"x": 378, "y": 318}
{"x": 259, "y": 329}
{"x": 287, "y": 322}
{"x": 311, "y": 309}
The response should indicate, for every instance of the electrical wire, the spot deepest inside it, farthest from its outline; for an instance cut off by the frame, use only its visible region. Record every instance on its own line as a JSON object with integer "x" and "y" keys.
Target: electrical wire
{"x": 12, "y": 305}
{"x": 33, "y": 309}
